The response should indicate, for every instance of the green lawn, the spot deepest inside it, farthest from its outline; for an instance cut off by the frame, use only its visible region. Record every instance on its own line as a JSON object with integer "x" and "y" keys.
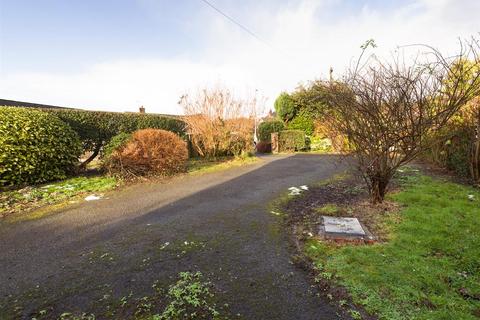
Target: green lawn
{"x": 430, "y": 269}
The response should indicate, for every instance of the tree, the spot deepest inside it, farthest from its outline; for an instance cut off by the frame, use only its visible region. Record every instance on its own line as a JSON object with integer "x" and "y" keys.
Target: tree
{"x": 386, "y": 108}
{"x": 311, "y": 98}
{"x": 303, "y": 120}
{"x": 285, "y": 107}
{"x": 218, "y": 123}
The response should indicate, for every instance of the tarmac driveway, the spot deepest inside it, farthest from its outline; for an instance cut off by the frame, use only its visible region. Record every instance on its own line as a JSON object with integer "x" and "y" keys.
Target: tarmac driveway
{"x": 70, "y": 260}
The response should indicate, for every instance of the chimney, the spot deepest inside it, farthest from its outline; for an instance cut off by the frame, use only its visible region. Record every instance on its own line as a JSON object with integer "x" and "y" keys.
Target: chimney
{"x": 141, "y": 109}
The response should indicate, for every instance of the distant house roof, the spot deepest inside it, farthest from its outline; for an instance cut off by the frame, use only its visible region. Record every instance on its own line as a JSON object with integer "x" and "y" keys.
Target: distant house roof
{"x": 14, "y": 103}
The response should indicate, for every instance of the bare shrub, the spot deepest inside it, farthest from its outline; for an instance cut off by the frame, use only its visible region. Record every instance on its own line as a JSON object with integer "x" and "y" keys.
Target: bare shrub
{"x": 149, "y": 152}
{"x": 218, "y": 123}
{"x": 386, "y": 108}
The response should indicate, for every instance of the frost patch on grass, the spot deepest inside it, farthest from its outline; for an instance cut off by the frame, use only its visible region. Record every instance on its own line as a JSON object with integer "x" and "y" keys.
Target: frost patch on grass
{"x": 92, "y": 197}
{"x": 295, "y": 191}
{"x": 30, "y": 198}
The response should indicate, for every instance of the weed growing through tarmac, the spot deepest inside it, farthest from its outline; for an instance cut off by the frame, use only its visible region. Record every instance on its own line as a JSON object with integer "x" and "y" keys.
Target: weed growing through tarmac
{"x": 181, "y": 248}
{"x": 355, "y": 314}
{"x": 99, "y": 256}
{"x": 69, "y": 316}
{"x": 191, "y": 297}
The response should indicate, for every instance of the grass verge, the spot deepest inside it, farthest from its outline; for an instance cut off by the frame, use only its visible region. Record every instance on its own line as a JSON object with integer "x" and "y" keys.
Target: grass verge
{"x": 430, "y": 268}
{"x": 199, "y": 165}
{"x": 56, "y": 193}
{"x": 34, "y": 202}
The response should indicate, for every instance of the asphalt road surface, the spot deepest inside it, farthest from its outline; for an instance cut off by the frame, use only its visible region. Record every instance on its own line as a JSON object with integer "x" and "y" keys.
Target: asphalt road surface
{"x": 77, "y": 259}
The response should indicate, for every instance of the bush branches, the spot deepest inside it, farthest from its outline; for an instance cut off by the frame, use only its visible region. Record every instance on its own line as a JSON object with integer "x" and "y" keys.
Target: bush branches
{"x": 218, "y": 123}
{"x": 386, "y": 108}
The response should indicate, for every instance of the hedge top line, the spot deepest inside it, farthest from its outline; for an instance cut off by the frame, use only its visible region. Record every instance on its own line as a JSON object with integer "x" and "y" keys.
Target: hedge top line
{"x": 22, "y": 104}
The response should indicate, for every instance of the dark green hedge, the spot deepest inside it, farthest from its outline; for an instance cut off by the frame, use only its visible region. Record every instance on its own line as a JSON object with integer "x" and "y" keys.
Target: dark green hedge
{"x": 291, "y": 140}
{"x": 265, "y": 129}
{"x": 116, "y": 142}
{"x": 35, "y": 147}
{"x": 96, "y": 128}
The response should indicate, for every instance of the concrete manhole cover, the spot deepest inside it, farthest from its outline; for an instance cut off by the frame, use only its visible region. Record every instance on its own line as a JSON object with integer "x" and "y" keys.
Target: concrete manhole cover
{"x": 343, "y": 228}
{"x": 343, "y": 225}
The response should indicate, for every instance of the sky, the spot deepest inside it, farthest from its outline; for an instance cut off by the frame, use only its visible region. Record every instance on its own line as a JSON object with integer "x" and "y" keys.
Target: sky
{"x": 116, "y": 55}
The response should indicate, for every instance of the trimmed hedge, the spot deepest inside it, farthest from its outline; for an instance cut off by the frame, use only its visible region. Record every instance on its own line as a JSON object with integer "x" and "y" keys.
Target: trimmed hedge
{"x": 35, "y": 147}
{"x": 291, "y": 140}
{"x": 96, "y": 128}
{"x": 265, "y": 129}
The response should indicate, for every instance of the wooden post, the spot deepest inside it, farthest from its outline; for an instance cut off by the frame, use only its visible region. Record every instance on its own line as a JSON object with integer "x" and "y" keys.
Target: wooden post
{"x": 275, "y": 146}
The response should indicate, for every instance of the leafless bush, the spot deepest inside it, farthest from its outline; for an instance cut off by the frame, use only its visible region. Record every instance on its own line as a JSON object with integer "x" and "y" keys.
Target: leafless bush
{"x": 386, "y": 108}
{"x": 218, "y": 123}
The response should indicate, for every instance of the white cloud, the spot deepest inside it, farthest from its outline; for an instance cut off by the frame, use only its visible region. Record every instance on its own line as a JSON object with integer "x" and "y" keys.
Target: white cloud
{"x": 304, "y": 41}
{"x": 121, "y": 85}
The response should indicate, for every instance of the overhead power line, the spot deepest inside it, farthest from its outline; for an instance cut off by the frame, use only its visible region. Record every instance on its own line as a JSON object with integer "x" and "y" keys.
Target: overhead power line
{"x": 244, "y": 28}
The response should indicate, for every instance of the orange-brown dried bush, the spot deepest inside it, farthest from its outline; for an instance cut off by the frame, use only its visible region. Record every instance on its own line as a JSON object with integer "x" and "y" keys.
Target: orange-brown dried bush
{"x": 149, "y": 152}
{"x": 220, "y": 124}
